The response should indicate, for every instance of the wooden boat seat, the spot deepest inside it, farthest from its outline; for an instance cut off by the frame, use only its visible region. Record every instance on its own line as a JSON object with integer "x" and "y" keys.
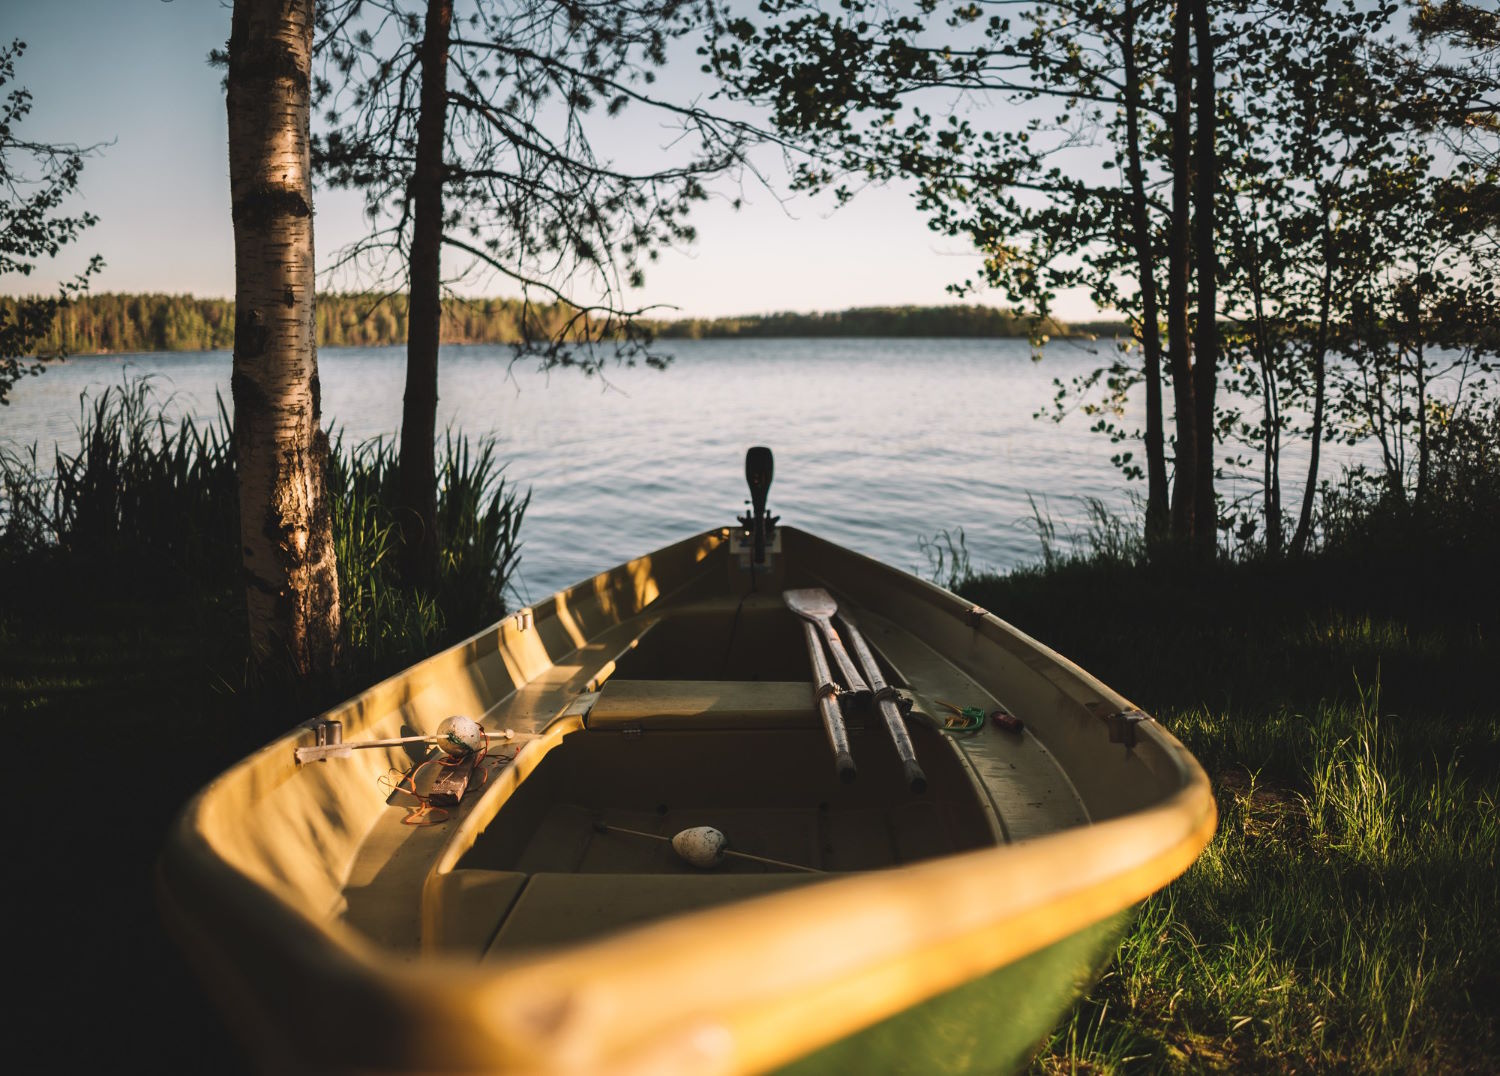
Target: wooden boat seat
{"x": 556, "y": 909}
{"x": 685, "y": 704}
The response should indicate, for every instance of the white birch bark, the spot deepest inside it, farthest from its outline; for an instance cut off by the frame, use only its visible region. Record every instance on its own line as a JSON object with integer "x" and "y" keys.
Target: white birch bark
{"x": 281, "y": 450}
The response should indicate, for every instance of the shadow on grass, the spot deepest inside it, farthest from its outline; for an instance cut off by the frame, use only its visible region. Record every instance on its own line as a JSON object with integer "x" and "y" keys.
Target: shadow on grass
{"x": 117, "y": 712}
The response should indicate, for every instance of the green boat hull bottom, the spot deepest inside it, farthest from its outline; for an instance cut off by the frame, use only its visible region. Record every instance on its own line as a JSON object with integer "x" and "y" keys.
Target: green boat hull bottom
{"x": 993, "y": 1024}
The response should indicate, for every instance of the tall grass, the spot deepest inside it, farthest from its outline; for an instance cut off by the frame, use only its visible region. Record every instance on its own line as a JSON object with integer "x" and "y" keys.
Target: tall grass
{"x": 1105, "y": 535}
{"x": 479, "y": 519}
{"x": 1342, "y": 918}
{"x": 947, "y": 554}
{"x": 1333, "y": 924}
{"x": 148, "y": 502}
{"x": 140, "y": 490}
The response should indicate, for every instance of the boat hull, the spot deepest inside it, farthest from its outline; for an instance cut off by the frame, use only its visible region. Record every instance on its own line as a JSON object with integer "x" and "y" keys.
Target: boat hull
{"x": 335, "y": 937}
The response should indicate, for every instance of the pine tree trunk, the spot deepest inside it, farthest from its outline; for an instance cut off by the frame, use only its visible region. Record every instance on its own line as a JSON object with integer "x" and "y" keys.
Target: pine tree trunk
{"x": 1179, "y": 269}
{"x": 1157, "y": 510}
{"x": 416, "y": 507}
{"x": 281, "y": 452}
{"x": 1206, "y": 346}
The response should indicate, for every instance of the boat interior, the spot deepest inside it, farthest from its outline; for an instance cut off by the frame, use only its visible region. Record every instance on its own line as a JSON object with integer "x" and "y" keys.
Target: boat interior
{"x": 662, "y": 752}
{"x": 699, "y": 710}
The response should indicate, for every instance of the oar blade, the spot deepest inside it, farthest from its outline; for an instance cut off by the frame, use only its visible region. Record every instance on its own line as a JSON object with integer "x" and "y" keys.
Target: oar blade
{"x": 814, "y": 603}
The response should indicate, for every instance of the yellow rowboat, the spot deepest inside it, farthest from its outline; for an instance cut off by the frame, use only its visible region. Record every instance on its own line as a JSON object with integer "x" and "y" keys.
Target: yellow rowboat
{"x": 544, "y": 921}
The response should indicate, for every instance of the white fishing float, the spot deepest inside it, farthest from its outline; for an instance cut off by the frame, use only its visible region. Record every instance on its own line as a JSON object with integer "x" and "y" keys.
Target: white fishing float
{"x": 459, "y": 736}
{"x": 704, "y": 847}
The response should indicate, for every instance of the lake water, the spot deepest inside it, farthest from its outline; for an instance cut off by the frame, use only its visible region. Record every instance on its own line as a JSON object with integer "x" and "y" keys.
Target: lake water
{"x": 878, "y": 443}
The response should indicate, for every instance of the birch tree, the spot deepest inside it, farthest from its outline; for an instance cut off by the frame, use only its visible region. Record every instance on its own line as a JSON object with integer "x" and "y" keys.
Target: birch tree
{"x": 286, "y": 534}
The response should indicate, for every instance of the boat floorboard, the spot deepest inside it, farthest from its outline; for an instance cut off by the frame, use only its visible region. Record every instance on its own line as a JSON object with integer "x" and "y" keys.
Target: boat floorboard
{"x": 555, "y": 909}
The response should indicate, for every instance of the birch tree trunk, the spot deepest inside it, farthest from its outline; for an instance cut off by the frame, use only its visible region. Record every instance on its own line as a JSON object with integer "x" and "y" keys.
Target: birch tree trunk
{"x": 416, "y": 509}
{"x": 286, "y": 532}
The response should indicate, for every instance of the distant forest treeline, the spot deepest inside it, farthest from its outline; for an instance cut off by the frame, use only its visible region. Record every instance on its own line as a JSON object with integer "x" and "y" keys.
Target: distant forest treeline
{"x": 110, "y": 322}
{"x": 978, "y": 321}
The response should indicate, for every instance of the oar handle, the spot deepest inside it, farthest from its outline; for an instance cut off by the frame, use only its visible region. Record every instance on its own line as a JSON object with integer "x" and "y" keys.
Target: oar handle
{"x": 828, "y": 706}
{"x": 916, "y": 780}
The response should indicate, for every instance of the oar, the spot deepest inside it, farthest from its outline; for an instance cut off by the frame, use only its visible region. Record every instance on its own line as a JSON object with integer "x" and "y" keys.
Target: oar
{"x": 828, "y": 705}
{"x": 817, "y": 605}
{"x": 704, "y": 846}
{"x": 885, "y": 702}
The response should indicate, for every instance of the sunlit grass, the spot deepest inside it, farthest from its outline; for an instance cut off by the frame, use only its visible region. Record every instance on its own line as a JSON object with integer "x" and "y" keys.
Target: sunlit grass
{"x": 1342, "y": 919}
{"x": 1337, "y": 926}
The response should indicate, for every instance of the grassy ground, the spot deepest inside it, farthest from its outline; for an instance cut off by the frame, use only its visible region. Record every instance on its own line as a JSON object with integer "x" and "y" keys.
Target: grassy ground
{"x": 1343, "y": 919}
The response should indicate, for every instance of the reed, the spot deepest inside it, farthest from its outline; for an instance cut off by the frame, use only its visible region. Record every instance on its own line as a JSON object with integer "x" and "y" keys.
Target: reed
{"x": 147, "y": 503}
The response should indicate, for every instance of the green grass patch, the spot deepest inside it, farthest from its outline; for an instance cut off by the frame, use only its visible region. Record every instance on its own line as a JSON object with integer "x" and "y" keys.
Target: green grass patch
{"x": 1342, "y": 918}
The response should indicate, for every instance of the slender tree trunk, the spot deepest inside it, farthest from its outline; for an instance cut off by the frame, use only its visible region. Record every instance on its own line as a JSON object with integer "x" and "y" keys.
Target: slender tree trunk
{"x": 1320, "y": 380}
{"x": 1179, "y": 269}
{"x": 1157, "y": 511}
{"x": 1275, "y": 534}
{"x": 286, "y": 531}
{"x": 1424, "y": 443}
{"x": 417, "y": 500}
{"x": 1206, "y": 346}
{"x": 1271, "y": 423}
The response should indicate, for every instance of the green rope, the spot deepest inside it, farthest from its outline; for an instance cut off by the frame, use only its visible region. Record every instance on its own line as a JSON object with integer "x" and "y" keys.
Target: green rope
{"x": 973, "y": 721}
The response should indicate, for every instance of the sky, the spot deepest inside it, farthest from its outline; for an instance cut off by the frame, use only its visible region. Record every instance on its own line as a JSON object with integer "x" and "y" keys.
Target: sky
{"x": 133, "y": 75}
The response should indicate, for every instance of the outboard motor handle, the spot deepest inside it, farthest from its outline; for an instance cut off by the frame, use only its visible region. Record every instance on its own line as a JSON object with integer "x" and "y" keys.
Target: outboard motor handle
{"x": 760, "y": 465}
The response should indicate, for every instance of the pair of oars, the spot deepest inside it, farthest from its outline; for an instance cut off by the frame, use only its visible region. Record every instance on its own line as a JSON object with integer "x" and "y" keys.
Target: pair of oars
{"x": 817, "y": 609}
